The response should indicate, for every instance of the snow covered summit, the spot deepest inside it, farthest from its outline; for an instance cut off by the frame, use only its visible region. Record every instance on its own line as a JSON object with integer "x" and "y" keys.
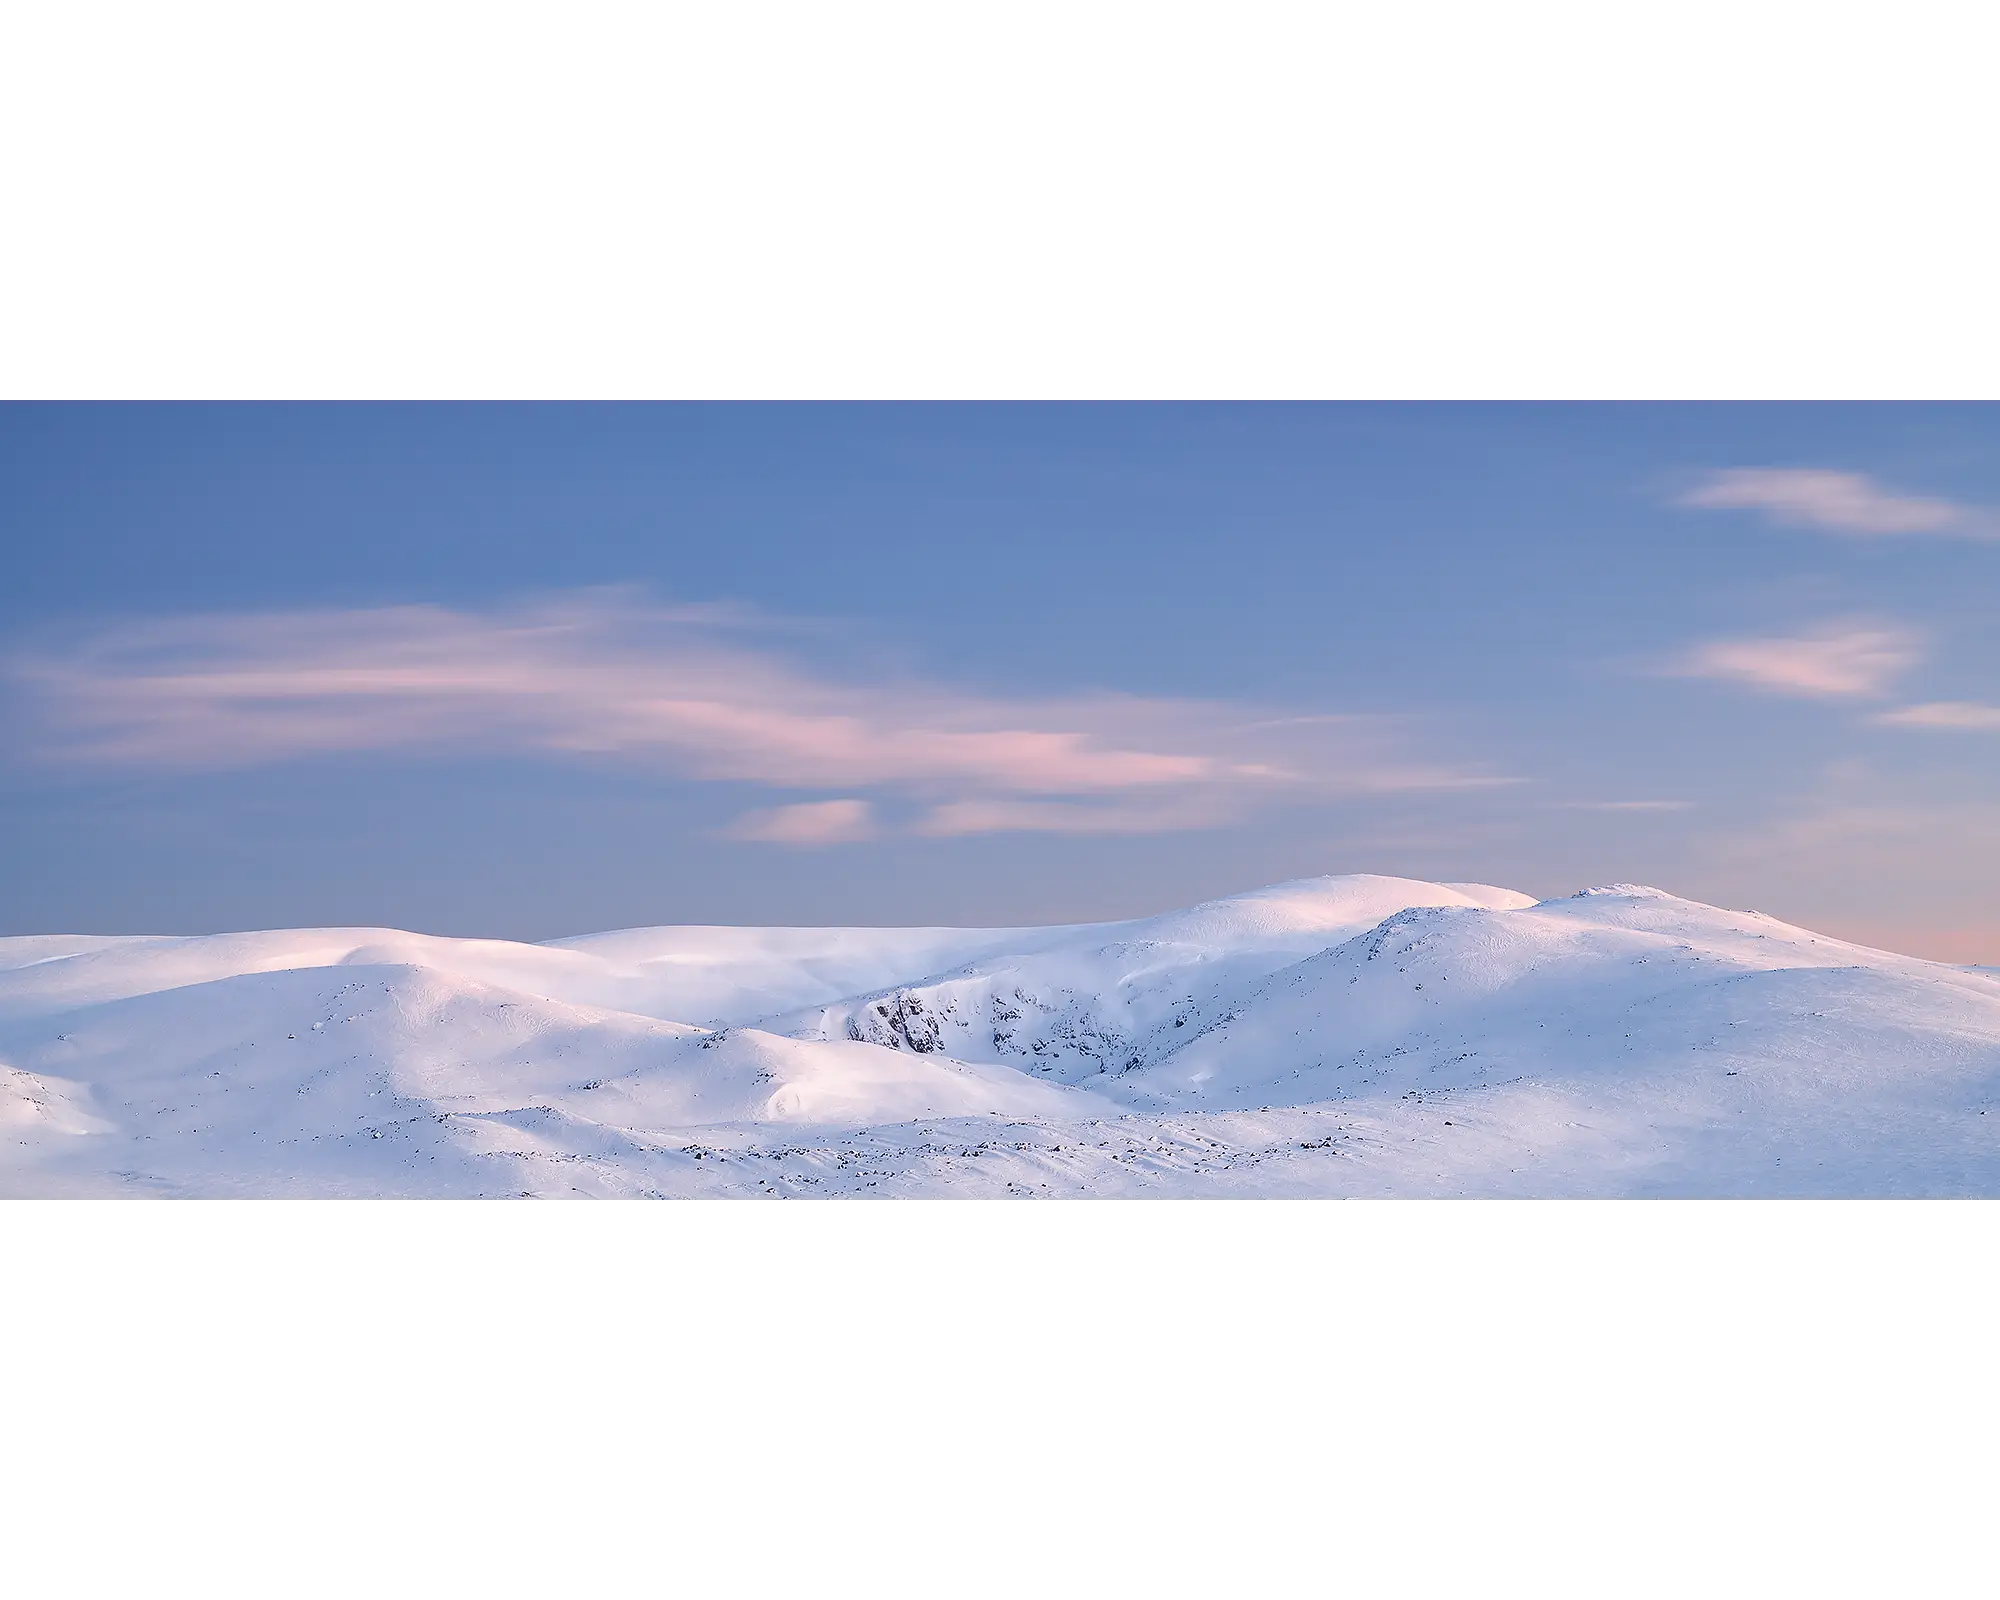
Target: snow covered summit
{"x": 1350, "y": 1035}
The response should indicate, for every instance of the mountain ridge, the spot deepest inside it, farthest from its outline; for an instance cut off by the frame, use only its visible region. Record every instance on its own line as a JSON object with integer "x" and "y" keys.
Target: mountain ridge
{"x": 1350, "y": 1034}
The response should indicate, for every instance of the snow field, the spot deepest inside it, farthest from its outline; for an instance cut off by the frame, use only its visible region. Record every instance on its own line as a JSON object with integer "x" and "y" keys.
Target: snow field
{"x": 1348, "y": 1035}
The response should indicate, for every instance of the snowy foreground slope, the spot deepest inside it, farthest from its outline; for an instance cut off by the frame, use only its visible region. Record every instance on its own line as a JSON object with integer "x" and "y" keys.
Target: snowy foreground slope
{"x": 1334, "y": 1036}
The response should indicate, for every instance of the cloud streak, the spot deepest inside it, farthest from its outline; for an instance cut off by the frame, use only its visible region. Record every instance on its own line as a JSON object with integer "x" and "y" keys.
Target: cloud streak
{"x": 1960, "y": 714}
{"x": 1838, "y": 661}
{"x": 812, "y": 822}
{"x": 1625, "y": 805}
{"x": 1849, "y": 503}
{"x": 696, "y": 693}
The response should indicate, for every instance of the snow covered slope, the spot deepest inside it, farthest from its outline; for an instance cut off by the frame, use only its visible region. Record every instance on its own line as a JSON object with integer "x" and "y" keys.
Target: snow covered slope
{"x": 714, "y": 976}
{"x": 1346, "y": 1035}
{"x": 1116, "y": 997}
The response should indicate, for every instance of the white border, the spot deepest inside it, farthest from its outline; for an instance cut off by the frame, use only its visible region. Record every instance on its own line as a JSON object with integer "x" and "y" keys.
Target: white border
{"x": 912, "y": 1399}
{"x": 1050, "y": 198}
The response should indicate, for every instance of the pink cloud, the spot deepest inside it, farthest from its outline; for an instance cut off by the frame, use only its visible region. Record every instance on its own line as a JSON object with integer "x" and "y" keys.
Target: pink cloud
{"x": 958, "y": 818}
{"x": 696, "y": 693}
{"x": 1837, "y": 661}
{"x": 1626, "y": 805}
{"x": 813, "y": 822}
{"x": 1837, "y": 502}
{"x": 1944, "y": 714}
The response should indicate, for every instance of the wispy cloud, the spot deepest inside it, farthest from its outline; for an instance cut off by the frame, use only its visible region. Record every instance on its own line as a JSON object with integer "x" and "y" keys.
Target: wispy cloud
{"x": 1624, "y": 805}
{"x": 696, "y": 692}
{"x": 810, "y": 822}
{"x": 1944, "y": 714}
{"x": 1837, "y": 661}
{"x": 1174, "y": 813}
{"x": 1837, "y": 502}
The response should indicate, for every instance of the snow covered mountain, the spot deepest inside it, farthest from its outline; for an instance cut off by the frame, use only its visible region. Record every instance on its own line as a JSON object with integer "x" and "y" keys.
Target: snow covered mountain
{"x": 1334, "y": 1036}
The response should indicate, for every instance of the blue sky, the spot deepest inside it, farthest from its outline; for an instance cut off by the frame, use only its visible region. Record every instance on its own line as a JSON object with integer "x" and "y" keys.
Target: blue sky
{"x": 532, "y": 670}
